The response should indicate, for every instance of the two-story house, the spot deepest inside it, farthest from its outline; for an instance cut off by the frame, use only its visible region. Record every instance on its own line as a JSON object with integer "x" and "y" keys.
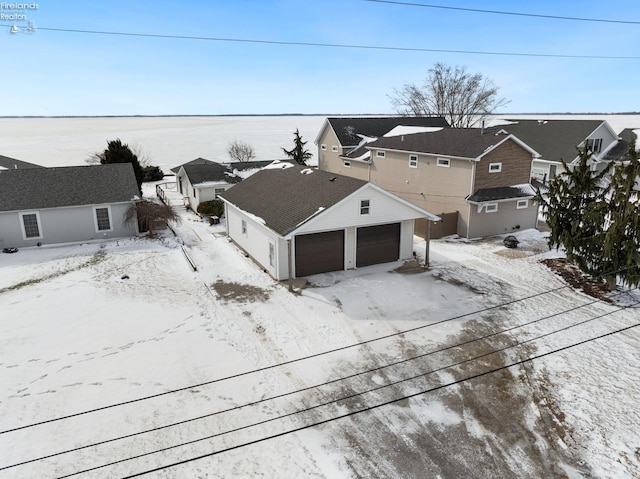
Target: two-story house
{"x": 340, "y": 136}
{"x": 558, "y": 140}
{"x": 478, "y": 181}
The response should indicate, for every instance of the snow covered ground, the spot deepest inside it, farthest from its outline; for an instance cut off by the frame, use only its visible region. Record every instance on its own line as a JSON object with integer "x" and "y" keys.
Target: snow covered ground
{"x": 114, "y": 351}
{"x": 102, "y": 341}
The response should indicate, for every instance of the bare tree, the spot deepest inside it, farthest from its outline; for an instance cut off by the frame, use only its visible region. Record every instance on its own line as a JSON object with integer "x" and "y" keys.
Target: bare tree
{"x": 151, "y": 215}
{"x": 240, "y": 151}
{"x": 461, "y": 97}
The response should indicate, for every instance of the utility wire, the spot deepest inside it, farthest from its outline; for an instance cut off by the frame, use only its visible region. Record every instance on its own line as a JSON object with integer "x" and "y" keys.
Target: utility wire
{"x": 376, "y": 406}
{"x": 284, "y": 363}
{"x": 498, "y": 12}
{"x": 279, "y": 396}
{"x": 338, "y": 45}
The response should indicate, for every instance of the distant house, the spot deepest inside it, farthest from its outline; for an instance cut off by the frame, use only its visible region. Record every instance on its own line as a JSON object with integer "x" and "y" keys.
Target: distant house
{"x": 67, "y": 204}
{"x": 557, "y": 140}
{"x": 341, "y": 136}
{"x": 296, "y": 221}
{"x": 7, "y": 163}
{"x": 203, "y": 180}
{"x": 479, "y": 183}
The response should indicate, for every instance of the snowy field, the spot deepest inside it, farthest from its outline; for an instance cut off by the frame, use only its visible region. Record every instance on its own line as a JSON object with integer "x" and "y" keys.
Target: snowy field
{"x": 117, "y": 359}
{"x": 171, "y": 141}
{"x": 103, "y": 375}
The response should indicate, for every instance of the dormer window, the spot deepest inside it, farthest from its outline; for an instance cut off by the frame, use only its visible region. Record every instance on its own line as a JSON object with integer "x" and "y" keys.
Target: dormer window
{"x": 594, "y": 145}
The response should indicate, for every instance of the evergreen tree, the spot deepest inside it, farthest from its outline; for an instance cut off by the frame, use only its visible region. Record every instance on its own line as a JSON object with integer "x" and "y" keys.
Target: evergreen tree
{"x": 621, "y": 246}
{"x": 596, "y": 219}
{"x": 118, "y": 152}
{"x": 298, "y": 153}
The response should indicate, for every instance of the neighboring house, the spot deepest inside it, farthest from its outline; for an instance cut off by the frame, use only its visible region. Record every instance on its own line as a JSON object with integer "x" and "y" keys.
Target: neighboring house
{"x": 203, "y": 180}
{"x": 479, "y": 183}
{"x": 296, "y": 221}
{"x": 557, "y": 140}
{"x": 66, "y": 205}
{"x": 7, "y": 163}
{"x": 341, "y": 136}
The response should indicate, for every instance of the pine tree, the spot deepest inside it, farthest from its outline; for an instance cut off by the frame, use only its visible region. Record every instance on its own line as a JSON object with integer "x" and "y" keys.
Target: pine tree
{"x": 298, "y": 153}
{"x": 621, "y": 246}
{"x": 118, "y": 152}
{"x": 597, "y": 220}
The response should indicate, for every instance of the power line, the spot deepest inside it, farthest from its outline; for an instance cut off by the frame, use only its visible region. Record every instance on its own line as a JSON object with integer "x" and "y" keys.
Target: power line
{"x": 376, "y": 406}
{"x": 338, "y": 45}
{"x": 279, "y": 396}
{"x": 498, "y": 12}
{"x": 284, "y": 363}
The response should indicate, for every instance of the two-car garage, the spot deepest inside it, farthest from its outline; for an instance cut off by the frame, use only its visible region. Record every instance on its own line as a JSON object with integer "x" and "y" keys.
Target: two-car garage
{"x": 323, "y": 252}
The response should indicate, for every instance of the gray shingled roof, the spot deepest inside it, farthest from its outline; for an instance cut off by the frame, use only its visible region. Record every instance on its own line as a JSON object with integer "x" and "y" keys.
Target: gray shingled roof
{"x": 12, "y": 163}
{"x": 459, "y": 142}
{"x": 620, "y": 150}
{"x": 553, "y": 139}
{"x": 502, "y": 193}
{"x": 38, "y": 188}
{"x": 210, "y": 172}
{"x": 348, "y": 129}
{"x": 285, "y": 198}
{"x": 197, "y": 161}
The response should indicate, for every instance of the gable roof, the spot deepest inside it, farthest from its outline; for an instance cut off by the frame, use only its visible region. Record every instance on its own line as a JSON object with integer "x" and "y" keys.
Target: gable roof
{"x": 13, "y": 164}
{"x": 347, "y": 129}
{"x": 39, "y": 188}
{"x": 553, "y": 139}
{"x": 197, "y": 161}
{"x": 452, "y": 142}
{"x": 620, "y": 151}
{"x": 209, "y": 173}
{"x": 274, "y": 195}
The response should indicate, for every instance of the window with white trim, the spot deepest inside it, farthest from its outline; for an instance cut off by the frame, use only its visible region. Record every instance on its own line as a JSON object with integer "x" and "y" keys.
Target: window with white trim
{"x": 323, "y": 147}
{"x": 491, "y": 207}
{"x": 444, "y": 162}
{"x": 521, "y": 204}
{"x": 594, "y": 144}
{"x": 244, "y": 227}
{"x": 413, "y": 161}
{"x": 218, "y": 191}
{"x": 346, "y": 163}
{"x": 30, "y": 223}
{"x": 103, "y": 218}
{"x": 495, "y": 167}
{"x": 380, "y": 153}
{"x": 334, "y": 148}
{"x": 365, "y": 207}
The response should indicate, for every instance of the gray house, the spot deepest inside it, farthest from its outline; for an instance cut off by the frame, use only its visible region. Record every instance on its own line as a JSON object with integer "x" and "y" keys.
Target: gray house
{"x": 66, "y": 205}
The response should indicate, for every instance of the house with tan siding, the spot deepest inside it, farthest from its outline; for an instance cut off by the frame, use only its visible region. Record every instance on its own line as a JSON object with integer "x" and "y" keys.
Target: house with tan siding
{"x": 341, "y": 136}
{"x": 479, "y": 182}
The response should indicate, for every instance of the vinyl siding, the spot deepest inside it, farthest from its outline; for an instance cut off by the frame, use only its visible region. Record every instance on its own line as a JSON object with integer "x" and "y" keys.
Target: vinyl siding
{"x": 516, "y": 167}
{"x": 331, "y": 162}
{"x": 507, "y": 219}
{"x": 65, "y": 225}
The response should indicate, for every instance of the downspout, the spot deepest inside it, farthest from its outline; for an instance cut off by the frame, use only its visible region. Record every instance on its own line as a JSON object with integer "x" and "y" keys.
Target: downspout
{"x": 473, "y": 178}
{"x": 290, "y": 266}
{"x": 426, "y": 253}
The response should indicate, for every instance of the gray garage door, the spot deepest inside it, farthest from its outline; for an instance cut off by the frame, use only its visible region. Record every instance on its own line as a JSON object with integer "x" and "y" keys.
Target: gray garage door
{"x": 319, "y": 253}
{"x": 378, "y": 244}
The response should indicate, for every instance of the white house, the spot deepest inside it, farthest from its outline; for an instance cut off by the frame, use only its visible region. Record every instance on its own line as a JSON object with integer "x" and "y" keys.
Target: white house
{"x": 296, "y": 221}
{"x": 64, "y": 205}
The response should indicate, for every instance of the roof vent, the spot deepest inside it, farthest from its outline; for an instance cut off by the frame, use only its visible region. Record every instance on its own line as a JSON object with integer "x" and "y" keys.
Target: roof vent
{"x": 542, "y": 122}
{"x": 306, "y": 171}
{"x": 333, "y": 178}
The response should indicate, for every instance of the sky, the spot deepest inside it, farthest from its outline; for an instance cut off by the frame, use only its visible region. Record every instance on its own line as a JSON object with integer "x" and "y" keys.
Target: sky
{"x": 65, "y": 68}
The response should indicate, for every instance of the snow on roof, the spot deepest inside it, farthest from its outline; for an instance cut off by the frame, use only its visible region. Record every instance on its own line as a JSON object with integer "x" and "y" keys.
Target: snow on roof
{"x": 306, "y": 171}
{"x": 278, "y": 165}
{"x": 407, "y": 130}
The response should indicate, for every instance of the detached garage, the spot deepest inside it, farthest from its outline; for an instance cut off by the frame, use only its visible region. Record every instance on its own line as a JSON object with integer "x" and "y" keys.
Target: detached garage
{"x": 296, "y": 221}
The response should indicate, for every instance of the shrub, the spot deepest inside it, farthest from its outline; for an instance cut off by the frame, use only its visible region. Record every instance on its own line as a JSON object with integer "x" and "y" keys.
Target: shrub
{"x": 152, "y": 173}
{"x": 212, "y": 208}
